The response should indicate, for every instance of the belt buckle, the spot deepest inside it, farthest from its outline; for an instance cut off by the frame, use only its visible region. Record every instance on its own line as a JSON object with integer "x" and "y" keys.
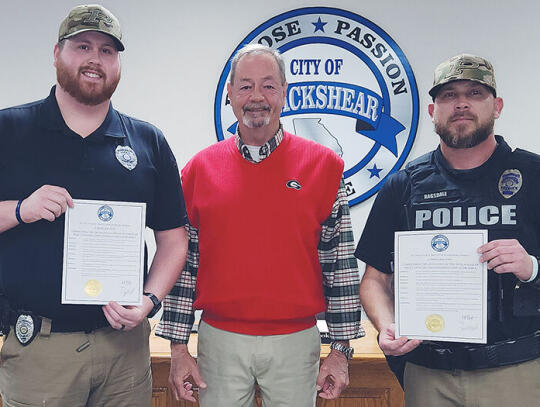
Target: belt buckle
{"x": 26, "y": 328}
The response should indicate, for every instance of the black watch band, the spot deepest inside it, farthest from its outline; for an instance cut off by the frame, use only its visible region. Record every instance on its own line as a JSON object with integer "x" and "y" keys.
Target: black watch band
{"x": 157, "y": 304}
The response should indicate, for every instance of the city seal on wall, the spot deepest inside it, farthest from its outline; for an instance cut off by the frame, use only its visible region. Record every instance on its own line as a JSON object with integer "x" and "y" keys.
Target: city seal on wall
{"x": 350, "y": 88}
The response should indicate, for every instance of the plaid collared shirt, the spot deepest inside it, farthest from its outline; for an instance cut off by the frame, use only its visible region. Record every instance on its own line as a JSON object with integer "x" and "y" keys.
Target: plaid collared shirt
{"x": 341, "y": 279}
{"x": 264, "y": 150}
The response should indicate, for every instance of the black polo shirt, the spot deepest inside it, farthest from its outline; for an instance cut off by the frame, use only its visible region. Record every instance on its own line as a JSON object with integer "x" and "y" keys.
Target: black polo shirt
{"x": 37, "y": 148}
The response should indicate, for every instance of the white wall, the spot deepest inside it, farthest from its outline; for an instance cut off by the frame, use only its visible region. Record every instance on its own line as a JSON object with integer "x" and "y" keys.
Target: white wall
{"x": 176, "y": 50}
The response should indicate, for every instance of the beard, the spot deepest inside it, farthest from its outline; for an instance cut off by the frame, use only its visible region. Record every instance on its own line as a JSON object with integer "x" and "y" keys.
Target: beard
{"x": 258, "y": 122}
{"x": 85, "y": 93}
{"x": 460, "y": 138}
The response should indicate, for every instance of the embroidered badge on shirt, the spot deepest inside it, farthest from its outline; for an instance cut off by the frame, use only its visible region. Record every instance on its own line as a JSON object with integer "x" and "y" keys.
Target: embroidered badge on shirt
{"x": 510, "y": 183}
{"x": 126, "y": 156}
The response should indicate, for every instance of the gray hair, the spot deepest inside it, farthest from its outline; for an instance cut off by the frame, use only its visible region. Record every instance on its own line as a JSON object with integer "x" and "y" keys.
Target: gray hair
{"x": 255, "y": 49}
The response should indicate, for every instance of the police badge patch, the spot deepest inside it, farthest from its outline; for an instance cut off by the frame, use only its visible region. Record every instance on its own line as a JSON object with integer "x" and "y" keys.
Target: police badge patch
{"x": 510, "y": 183}
{"x": 126, "y": 156}
{"x": 350, "y": 88}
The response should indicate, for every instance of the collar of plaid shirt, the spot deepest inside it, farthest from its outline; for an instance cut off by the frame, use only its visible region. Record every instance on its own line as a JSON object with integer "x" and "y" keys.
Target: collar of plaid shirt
{"x": 264, "y": 151}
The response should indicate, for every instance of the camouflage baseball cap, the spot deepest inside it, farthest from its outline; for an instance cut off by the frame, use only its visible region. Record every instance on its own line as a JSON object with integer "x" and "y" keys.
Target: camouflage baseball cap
{"x": 464, "y": 67}
{"x": 91, "y": 17}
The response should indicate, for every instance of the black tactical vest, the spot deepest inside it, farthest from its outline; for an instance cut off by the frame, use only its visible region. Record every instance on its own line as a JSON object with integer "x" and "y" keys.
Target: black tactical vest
{"x": 498, "y": 196}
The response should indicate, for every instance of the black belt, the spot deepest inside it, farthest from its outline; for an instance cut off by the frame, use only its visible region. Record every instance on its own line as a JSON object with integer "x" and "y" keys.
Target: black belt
{"x": 58, "y": 325}
{"x": 504, "y": 353}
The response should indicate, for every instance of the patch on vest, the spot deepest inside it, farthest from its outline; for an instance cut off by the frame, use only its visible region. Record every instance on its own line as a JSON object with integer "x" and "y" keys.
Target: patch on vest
{"x": 465, "y": 216}
{"x": 510, "y": 183}
{"x": 350, "y": 89}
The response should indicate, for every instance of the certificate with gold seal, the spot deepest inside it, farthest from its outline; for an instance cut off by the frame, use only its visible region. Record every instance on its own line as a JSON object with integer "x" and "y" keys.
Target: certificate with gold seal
{"x": 440, "y": 286}
{"x": 104, "y": 253}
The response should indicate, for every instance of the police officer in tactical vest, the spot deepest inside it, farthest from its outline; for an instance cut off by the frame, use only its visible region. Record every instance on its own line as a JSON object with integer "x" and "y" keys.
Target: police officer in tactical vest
{"x": 473, "y": 180}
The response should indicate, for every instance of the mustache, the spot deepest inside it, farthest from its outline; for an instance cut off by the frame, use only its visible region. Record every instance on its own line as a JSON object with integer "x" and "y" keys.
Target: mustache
{"x": 255, "y": 106}
{"x": 462, "y": 115}
{"x": 92, "y": 68}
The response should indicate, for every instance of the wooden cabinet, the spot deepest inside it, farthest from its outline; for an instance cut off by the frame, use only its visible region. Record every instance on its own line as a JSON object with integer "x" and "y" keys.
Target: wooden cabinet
{"x": 372, "y": 384}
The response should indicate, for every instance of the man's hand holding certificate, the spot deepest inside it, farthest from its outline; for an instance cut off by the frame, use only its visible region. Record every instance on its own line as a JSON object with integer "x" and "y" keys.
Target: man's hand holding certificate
{"x": 441, "y": 285}
{"x": 104, "y": 253}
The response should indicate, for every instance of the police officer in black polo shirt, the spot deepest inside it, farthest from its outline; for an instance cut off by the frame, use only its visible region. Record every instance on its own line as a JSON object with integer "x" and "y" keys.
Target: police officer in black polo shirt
{"x": 473, "y": 181}
{"x": 74, "y": 145}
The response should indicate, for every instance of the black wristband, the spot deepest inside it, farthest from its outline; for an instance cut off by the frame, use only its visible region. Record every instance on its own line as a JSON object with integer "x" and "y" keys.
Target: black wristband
{"x": 18, "y": 212}
{"x": 156, "y": 302}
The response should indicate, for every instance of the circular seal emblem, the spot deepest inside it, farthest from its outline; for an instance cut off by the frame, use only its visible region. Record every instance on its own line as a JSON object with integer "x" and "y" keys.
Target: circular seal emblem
{"x": 439, "y": 243}
{"x": 510, "y": 183}
{"x": 105, "y": 213}
{"x": 92, "y": 288}
{"x": 350, "y": 88}
{"x": 435, "y": 323}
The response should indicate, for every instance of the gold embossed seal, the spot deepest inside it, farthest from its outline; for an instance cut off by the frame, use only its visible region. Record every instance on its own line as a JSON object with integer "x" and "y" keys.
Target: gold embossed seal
{"x": 92, "y": 288}
{"x": 435, "y": 323}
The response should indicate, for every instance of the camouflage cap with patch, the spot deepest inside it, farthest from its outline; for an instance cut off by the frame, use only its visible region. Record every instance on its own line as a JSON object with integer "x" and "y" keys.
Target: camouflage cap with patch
{"x": 464, "y": 67}
{"x": 91, "y": 17}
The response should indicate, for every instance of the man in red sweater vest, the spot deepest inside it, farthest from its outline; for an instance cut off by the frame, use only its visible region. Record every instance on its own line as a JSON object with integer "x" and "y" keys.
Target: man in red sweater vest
{"x": 270, "y": 246}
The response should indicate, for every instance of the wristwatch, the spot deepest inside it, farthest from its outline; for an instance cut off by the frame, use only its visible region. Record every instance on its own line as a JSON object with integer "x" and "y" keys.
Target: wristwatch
{"x": 157, "y": 304}
{"x": 346, "y": 350}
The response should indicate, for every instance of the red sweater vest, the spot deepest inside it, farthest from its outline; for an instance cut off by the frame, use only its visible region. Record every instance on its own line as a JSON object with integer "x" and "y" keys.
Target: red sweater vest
{"x": 259, "y": 228}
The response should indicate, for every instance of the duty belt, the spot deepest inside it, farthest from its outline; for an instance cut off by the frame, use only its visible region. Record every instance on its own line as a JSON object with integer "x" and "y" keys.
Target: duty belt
{"x": 498, "y": 354}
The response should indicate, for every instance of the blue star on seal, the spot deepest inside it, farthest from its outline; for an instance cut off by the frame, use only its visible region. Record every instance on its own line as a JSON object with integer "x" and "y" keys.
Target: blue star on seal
{"x": 374, "y": 171}
{"x": 319, "y": 25}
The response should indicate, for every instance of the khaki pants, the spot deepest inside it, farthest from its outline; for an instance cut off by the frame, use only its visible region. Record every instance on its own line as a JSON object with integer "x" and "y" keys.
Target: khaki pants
{"x": 509, "y": 386}
{"x": 284, "y": 366}
{"x": 103, "y": 368}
